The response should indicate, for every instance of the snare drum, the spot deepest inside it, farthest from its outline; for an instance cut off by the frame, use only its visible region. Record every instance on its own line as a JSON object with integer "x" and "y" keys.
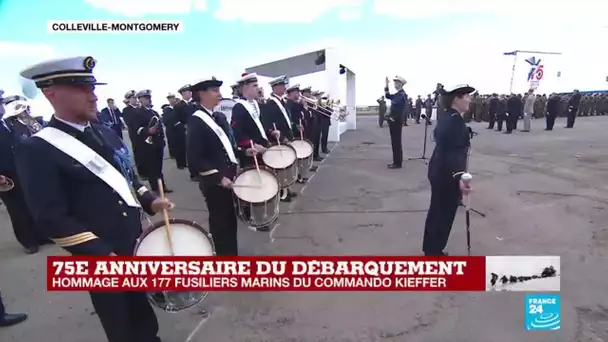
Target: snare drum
{"x": 189, "y": 239}
{"x": 282, "y": 160}
{"x": 304, "y": 151}
{"x": 257, "y": 196}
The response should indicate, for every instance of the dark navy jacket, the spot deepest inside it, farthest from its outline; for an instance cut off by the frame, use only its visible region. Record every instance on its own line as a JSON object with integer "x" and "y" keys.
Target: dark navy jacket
{"x": 206, "y": 153}
{"x": 10, "y": 137}
{"x": 273, "y": 116}
{"x": 452, "y": 142}
{"x": 244, "y": 128}
{"x": 110, "y": 120}
{"x": 78, "y": 210}
{"x": 398, "y": 104}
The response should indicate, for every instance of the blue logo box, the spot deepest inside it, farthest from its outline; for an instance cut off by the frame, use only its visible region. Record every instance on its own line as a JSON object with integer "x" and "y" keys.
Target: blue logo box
{"x": 543, "y": 312}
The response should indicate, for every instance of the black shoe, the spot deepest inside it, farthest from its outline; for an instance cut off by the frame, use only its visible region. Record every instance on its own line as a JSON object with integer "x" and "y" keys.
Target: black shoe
{"x": 181, "y": 167}
{"x": 31, "y": 250}
{"x": 168, "y": 191}
{"x": 194, "y": 178}
{"x": 303, "y": 180}
{"x": 326, "y": 151}
{"x": 12, "y": 319}
{"x": 318, "y": 159}
{"x": 548, "y": 129}
{"x": 314, "y": 168}
{"x": 393, "y": 166}
{"x": 508, "y": 132}
{"x": 291, "y": 194}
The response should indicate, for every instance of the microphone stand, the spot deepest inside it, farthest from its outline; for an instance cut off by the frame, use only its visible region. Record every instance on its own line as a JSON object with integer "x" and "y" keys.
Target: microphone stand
{"x": 426, "y": 127}
{"x": 472, "y": 134}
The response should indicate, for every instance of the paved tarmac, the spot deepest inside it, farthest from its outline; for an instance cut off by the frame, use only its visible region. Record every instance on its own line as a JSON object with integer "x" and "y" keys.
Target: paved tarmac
{"x": 544, "y": 193}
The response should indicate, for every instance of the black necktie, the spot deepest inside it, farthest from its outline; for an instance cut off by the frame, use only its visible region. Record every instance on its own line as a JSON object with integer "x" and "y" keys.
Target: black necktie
{"x": 92, "y": 137}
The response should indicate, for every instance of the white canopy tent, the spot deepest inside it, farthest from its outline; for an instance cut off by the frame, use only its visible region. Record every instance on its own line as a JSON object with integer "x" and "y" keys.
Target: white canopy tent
{"x": 325, "y": 60}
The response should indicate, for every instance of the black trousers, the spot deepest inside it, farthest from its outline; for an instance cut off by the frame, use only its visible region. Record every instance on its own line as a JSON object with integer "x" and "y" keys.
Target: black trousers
{"x": 511, "y": 121}
{"x": 179, "y": 149}
{"x": 491, "y": 120}
{"x": 395, "y": 129}
{"x": 222, "y": 219}
{"x": 317, "y": 138}
{"x": 126, "y": 316}
{"x": 571, "y": 116}
{"x": 324, "y": 133}
{"x": 445, "y": 198}
{"x": 23, "y": 223}
{"x": 153, "y": 165}
{"x": 500, "y": 118}
{"x": 550, "y": 120}
{"x": 310, "y": 130}
{"x": 2, "y": 308}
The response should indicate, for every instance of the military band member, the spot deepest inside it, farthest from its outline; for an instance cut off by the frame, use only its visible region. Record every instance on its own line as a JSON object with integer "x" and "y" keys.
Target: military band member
{"x": 296, "y": 110}
{"x": 71, "y": 163}
{"x": 311, "y": 123}
{"x": 236, "y": 91}
{"x": 247, "y": 124}
{"x": 428, "y": 109}
{"x": 324, "y": 123}
{"x": 276, "y": 117}
{"x": 246, "y": 120}
{"x": 128, "y": 113}
{"x": 12, "y": 132}
{"x": 111, "y": 117}
{"x": 183, "y": 110}
{"x": 448, "y": 163}
{"x": 214, "y": 156}
{"x": 150, "y": 139}
{"x": 176, "y": 132}
{"x": 396, "y": 118}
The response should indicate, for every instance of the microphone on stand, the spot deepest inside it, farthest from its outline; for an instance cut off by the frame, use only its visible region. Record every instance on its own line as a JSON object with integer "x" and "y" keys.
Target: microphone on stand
{"x": 466, "y": 179}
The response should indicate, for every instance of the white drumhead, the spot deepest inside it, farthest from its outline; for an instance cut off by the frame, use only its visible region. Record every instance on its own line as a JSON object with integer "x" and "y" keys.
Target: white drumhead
{"x": 254, "y": 187}
{"x": 303, "y": 148}
{"x": 279, "y": 157}
{"x": 187, "y": 241}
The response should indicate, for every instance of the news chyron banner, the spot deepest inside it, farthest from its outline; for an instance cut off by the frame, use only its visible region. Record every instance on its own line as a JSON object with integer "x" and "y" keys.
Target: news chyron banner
{"x": 304, "y": 273}
{"x": 114, "y": 26}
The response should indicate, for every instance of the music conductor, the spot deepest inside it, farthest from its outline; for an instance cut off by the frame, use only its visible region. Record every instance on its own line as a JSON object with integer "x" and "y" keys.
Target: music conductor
{"x": 448, "y": 163}
{"x": 77, "y": 179}
{"x": 214, "y": 156}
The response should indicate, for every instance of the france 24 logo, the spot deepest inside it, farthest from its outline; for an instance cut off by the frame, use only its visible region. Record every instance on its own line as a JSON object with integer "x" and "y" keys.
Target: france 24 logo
{"x": 543, "y": 312}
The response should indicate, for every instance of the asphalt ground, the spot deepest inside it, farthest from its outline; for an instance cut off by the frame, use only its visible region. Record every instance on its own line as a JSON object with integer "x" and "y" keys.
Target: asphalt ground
{"x": 544, "y": 193}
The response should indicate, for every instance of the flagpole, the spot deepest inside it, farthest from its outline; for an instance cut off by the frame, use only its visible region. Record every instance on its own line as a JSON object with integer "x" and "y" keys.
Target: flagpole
{"x": 513, "y": 72}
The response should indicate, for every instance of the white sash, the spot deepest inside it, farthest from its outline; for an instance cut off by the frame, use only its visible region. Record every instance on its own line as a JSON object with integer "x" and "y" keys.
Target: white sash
{"x": 283, "y": 110}
{"x": 91, "y": 160}
{"x": 219, "y": 132}
{"x": 255, "y": 115}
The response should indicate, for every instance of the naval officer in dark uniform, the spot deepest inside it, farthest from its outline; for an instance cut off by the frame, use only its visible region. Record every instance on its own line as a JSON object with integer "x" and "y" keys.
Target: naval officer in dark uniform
{"x": 128, "y": 113}
{"x": 448, "y": 163}
{"x": 12, "y": 132}
{"x": 77, "y": 180}
{"x": 213, "y": 155}
{"x": 396, "y": 118}
{"x": 150, "y": 139}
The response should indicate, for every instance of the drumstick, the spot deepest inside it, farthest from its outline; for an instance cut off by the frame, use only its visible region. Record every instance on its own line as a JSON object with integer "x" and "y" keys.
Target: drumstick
{"x": 246, "y": 186}
{"x": 301, "y": 130}
{"x": 257, "y": 166}
{"x": 278, "y": 142}
{"x": 161, "y": 190}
